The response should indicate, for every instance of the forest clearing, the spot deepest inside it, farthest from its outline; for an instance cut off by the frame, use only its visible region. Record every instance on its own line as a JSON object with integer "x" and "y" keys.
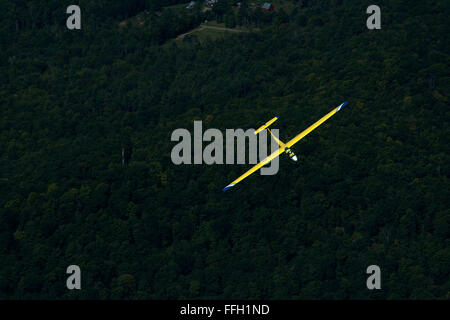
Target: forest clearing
{"x": 205, "y": 26}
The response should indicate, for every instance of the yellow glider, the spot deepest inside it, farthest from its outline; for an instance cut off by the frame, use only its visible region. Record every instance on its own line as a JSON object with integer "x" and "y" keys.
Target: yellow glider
{"x": 284, "y": 147}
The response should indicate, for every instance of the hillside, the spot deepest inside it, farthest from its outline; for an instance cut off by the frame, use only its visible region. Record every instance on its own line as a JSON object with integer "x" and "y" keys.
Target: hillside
{"x": 371, "y": 186}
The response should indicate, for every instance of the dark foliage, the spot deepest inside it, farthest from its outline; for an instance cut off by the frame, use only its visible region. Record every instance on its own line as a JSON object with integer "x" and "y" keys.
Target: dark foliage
{"x": 371, "y": 187}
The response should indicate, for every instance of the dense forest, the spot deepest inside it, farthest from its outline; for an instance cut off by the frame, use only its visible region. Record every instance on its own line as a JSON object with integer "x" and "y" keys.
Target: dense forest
{"x": 86, "y": 177}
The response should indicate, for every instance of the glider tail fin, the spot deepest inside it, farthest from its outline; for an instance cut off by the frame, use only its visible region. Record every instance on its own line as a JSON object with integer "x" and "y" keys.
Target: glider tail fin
{"x": 268, "y": 123}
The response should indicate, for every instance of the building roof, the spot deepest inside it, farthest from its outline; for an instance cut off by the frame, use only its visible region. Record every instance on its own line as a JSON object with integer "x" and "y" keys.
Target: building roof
{"x": 266, "y": 5}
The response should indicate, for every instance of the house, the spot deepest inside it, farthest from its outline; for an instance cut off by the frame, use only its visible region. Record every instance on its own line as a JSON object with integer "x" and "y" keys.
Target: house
{"x": 190, "y": 5}
{"x": 268, "y": 7}
{"x": 210, "y": 3}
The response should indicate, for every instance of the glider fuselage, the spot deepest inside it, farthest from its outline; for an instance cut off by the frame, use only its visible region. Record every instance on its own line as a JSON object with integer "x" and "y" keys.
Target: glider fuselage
{"x": 287, "y": 150}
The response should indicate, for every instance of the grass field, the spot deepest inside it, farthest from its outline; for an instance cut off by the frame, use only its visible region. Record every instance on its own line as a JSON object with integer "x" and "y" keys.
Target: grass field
{"x": 214, "y": 23}
{"x": 178, "y": 6}
{"x": 210, "y": 34}
{"x": 202, "y": 35}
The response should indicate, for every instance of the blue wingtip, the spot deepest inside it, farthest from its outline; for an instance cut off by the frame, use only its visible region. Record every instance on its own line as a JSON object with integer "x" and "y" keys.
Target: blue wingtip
{"x": 226, "y": 188}
{"x": 342, "y": 105}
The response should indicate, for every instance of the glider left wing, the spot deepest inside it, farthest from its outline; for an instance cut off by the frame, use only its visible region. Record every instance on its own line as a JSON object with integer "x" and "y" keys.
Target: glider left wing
{"x": 266, "y": 160}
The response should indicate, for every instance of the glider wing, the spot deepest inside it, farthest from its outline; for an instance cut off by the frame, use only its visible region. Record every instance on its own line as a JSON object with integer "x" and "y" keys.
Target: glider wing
{"x": 301, "y": 135}
{"x": 282, "y": 148}
{"x": 266, "y": 160}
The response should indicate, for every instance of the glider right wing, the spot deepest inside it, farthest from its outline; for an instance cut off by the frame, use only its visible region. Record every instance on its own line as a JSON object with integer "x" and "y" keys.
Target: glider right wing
{"x": 266, "y": 160}
{"x": 301, "y": 135}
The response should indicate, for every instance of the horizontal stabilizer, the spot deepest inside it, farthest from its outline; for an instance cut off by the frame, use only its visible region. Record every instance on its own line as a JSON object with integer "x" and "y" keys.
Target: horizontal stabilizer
{"x": 268, "y": 123}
